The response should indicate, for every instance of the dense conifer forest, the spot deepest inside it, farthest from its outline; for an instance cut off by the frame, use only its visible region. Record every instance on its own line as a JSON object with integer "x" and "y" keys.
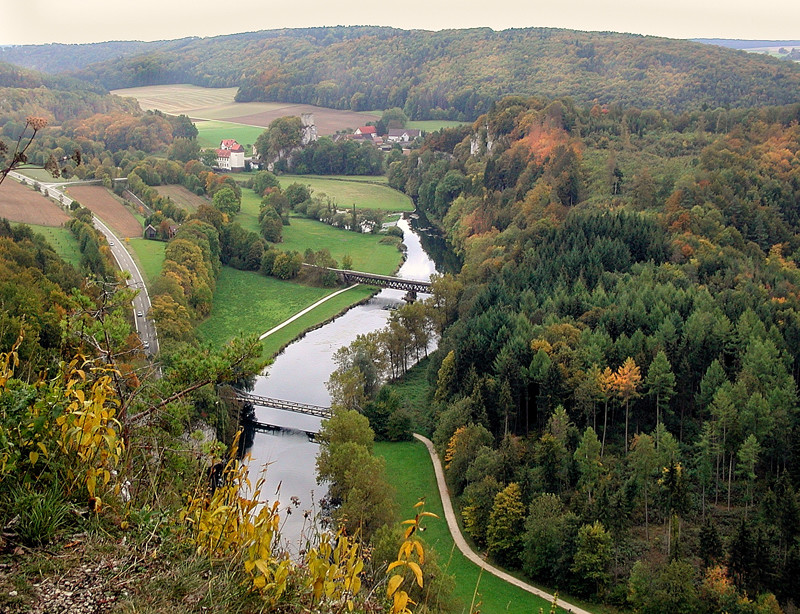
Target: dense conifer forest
{"x": 620, "y": 369}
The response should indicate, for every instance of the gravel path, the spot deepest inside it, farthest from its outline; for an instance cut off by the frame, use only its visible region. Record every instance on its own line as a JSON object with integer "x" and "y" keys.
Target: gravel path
{"x": 452, "y": 524}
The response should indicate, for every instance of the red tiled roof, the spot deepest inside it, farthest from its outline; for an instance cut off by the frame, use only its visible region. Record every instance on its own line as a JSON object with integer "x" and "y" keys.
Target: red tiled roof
{"x": 368, "y": 130}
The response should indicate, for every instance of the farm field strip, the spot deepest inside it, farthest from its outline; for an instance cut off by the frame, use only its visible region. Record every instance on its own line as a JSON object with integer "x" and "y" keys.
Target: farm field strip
{"x": 19, "y": 203}
{"x": 149, "y": 256}
{"x": 107, "y": 208}
{"x": 178, "y": 98}
{"x": 217, "y": 104}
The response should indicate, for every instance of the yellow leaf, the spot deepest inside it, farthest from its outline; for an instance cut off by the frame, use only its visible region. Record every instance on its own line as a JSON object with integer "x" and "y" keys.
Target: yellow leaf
{"x": 420, "y": 551}
{"x": 417, "y": 572}
{"x": 33, "y": 456}
{"x": 42, "y": 447}
{"x": 394, "y": 564}
{"x": 394, "y": 583}
{"x": 400, "y": 601}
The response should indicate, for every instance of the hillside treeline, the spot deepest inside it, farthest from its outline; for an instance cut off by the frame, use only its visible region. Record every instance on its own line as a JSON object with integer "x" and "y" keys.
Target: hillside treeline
{"x": 618, "y": 372}
{"x": 453, "y": 74}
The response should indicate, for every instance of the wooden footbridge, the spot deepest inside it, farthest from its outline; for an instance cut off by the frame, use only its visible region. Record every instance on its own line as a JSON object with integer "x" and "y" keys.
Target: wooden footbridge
{"x": 382, "y": 281}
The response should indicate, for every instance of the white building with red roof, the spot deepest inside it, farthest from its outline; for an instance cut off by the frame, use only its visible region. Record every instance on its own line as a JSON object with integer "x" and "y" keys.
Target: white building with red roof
{"x": 368, "y": 132}
{"x": 230, "y": 155}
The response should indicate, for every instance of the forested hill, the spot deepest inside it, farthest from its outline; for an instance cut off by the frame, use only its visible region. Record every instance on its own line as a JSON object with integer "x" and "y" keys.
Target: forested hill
{"x": 14, "y": 76}
{"x": 59, "y": 57}
{"x": 624, "y": 345}
{"x": 458, "y": 73}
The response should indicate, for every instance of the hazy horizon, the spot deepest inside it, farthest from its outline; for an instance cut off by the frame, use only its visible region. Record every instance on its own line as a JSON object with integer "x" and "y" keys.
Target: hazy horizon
{"x": 46, "y": 21}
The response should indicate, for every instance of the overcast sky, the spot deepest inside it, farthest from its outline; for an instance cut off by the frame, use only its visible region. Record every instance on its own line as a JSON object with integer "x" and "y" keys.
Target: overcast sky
{"x": 84, "y": 21}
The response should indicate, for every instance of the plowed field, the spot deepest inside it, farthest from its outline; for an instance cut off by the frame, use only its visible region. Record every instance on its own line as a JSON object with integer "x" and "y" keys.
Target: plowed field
{"x": 107, "y": 208}
{"x": 218, "y": 104}
{"x": 19, "y": 203}
{"x": 182, "y": 197}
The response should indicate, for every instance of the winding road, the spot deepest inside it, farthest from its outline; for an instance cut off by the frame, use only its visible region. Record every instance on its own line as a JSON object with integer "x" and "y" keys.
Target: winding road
{"x": 141, "y": 303}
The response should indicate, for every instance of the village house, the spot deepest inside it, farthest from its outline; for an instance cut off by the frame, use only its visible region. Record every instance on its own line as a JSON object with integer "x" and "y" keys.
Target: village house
{"x": 367, "y": 133}
{"x": 402, "y": 135}
{"x": 230, "y": 156}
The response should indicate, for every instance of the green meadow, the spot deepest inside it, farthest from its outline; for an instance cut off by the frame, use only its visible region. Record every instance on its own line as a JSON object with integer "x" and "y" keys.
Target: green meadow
{"x": 431, "y": 125}
{"x": 211, "y": 132}
{"x": 369, "y": 254}
{"x": 149, "y": 256}
{"x": 63, "y": 242}
{"x": 249, "y": 303}
{"x": 346, "y": 191}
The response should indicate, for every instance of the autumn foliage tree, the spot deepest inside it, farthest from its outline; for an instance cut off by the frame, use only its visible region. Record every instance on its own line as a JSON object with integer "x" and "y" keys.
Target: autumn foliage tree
{"x": 627, "y": 379}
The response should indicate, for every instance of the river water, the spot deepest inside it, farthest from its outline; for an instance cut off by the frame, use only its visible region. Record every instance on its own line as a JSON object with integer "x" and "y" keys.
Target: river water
{"x": 287, "y": 455}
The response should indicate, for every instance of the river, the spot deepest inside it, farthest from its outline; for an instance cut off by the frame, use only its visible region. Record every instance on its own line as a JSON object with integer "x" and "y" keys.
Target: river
{"x": 300, "y": 373}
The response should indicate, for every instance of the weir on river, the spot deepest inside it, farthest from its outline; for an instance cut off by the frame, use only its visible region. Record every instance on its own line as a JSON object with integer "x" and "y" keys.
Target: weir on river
{"x": 300, "y": 373}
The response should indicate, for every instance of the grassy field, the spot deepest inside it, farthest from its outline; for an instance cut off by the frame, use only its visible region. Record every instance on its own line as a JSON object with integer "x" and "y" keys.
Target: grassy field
{"x": 63, "y": 241}
{"x": 379, "y": 179}
{"x": 149, "y": 256}
{"x": 323, "y": 313}
{"x": 183, "y": 197}
{"x": 210, "y": 133}
{"x": 366, "y": 250}
{"x": 429, "y": 125}
{"x": 40, "y": 175}
{"x": 411, "y": 469}
{"x": 346, "y": 192}
{"x": 248, "y": 215}
{"x": 249, "y": 303}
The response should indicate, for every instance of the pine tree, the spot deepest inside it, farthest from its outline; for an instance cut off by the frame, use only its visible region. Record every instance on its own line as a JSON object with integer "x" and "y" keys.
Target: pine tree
{"x": 661, "y": 383}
